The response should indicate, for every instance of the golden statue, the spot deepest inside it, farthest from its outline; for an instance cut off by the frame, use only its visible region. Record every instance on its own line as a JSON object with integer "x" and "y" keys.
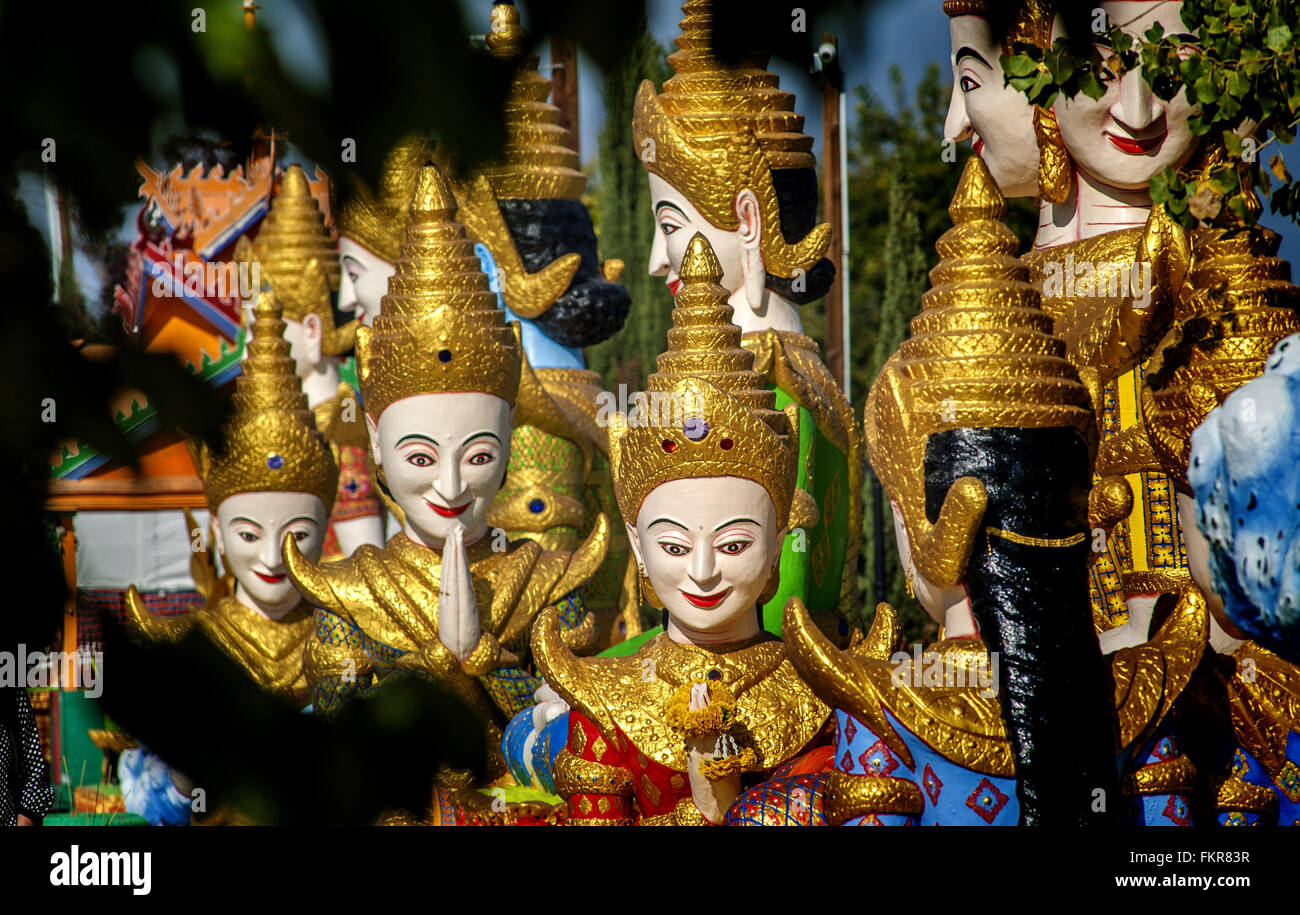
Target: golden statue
{"x": 983, "y": 438}
{"x": 298, "y": 261}
{"x": 1109, "y": 266}
{"x": 675, "y": 732}
{"x": 276, "y": 479}
{"x": 534, "y": 235}
{"x": 439, "y": 374}
{"x": 727, "y": 157}
{"x": 1236, "y": 306}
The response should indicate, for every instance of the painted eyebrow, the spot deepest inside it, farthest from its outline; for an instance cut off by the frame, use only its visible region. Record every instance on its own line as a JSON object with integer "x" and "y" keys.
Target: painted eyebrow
{"x": 736, "y": 521}
{"x": 307, "y": 518}
{"x": 668, "y": 521}
{"x": 967, "y": 51}
{"x": 478, "y": 435}
{"x": 665, "y": 205}
{"x": 401, "y": 441}
{"x": 246, "y": 521}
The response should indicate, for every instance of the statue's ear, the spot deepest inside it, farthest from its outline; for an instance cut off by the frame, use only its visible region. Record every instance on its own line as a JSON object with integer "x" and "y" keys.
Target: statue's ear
{"x": 750, "y": 234}
{"x": 372, "y": 427}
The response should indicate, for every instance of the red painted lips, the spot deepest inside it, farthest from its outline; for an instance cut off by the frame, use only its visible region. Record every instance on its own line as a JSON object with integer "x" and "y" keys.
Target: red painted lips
{"x": 270, "y": 579}
{"x": 706, "y": 603}
{"x": 673, "y": 286}
{"x": 448, "y": 512}
{"x": 1135, "y": 147}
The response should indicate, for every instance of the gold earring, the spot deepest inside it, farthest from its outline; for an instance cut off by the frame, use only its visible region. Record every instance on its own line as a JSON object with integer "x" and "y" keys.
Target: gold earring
{"x": 911, "y": 589}
{"x": 1055, "y": 171}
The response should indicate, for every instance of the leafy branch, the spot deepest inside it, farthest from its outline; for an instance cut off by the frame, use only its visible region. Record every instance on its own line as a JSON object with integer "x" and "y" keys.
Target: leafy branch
{"x": 1242, "y": 70}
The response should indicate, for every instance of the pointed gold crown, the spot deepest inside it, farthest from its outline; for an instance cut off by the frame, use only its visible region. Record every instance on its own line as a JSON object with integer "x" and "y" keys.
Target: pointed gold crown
{"x": 1030, "y": 21}
{"x": 539, "y": 162}
{"x": 272, "y": 444}
{"x": 377, "y": 221}
{"x": 539, "y": 159}
{"x": 718, "y": 129}
{"x": 729, "y": 425}
{"x": 981, "y": 355}
{"x": 300, "y": 263}
{"x": 440, "y": 329}
{"x": 1236, "y": 304}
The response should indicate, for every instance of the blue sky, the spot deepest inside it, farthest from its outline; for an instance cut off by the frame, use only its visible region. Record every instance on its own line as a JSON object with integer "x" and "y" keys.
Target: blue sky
{"x": 910, "y": 33}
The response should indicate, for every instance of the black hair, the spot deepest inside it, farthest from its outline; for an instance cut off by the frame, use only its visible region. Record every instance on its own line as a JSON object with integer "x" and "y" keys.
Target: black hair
{"x": 592, "y": 309}
{"x": 1031, "y": 603}
{"x": 796, "y": 197}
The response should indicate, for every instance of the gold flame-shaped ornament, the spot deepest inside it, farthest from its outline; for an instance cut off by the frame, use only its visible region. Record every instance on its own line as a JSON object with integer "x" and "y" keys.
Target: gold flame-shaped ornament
{"x": 299, "y": 261}
{"x": 271, "y": 440}
{"x": 377, "y": 221}
{"x": 718, "y": 129}
{"x": 440, "y": 329}
{"x": 981, "y": 355}
{"x": 730, "y": 425}
{"x": 1236, "y": 304}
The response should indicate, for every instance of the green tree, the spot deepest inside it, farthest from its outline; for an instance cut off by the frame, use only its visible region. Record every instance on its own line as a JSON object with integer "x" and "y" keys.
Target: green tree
{"x": 905, "y": 265}
{"x": 626, "y": 225}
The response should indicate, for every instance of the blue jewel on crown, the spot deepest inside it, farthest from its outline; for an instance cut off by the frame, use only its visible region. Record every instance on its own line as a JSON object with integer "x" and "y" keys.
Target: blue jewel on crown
{"x": 275, "y": 462}
{"x": 695, "y": 428}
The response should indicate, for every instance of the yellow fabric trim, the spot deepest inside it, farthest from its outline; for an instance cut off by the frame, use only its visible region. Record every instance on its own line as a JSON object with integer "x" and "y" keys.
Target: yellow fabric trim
{"x": 1127, "y": 389}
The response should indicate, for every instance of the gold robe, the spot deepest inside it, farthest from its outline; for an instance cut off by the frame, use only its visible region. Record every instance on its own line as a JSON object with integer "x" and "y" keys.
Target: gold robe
{"x": 391, "y": 597}
{"x": 270, "y": 651}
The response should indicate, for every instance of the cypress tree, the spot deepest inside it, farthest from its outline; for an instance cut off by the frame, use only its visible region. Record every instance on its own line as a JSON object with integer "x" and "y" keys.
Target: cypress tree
{"x": 626, "y": 224}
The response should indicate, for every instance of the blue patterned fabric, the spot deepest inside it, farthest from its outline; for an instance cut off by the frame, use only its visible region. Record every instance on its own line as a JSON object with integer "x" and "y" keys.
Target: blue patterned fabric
{"x": 1286, "y": 785}
{"x": 952, "y": 794}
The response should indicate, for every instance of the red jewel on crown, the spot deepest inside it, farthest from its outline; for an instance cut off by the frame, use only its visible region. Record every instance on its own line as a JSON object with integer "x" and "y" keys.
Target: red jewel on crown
{"x": 726, "y": 444}
{"x": 669, "y": 445}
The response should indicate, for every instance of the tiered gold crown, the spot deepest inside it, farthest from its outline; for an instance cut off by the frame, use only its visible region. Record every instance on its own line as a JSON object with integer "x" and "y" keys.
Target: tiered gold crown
{"x": 981, "y": 355}
{"x": 539, "y": 162}
{"x": 440, "y": 329}
{"x": 1235, "y": 306}
{"x": 272, "y": 444}
{"x": 718, "y": 129}
{"x": 377, "y": 221}
{"x": 539, "y": 159}
{"x": 1030, "y": 20}
{"x": 729, "y": 425}
{"x": 298, "y": 259}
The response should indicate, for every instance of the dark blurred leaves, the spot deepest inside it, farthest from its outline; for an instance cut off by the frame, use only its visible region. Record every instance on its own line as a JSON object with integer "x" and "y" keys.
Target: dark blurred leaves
{"x": 195, "y": 708}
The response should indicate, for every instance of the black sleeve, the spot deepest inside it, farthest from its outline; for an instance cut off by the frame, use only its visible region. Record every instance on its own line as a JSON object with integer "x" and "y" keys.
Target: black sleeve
{"x": 34, "y": 794}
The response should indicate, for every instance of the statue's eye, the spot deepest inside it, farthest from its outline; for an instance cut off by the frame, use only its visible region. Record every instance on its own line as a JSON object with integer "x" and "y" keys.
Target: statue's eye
{"x": 248, "y": 536}
{"x": 300, "y": 536}
{"x": 420, "y": 459}
{"x": 668, "y": 228}
{"x": 735, "y": 547}
{"x": 480, "y": 458}
{"x": 968, "y": 84}
{"x": 674, "y": 549}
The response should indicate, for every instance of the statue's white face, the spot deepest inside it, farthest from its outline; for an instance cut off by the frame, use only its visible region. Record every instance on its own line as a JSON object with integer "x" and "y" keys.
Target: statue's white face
{"x": 708, "y": 546}
{"x": 997, "y": 119}
{"x": 364, "y": 282}
{"x": 677, "y": 221}
{"x": 1129, "y": 135}
{"x": 444, "y": 457}
{"x": 251, "y": 527}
